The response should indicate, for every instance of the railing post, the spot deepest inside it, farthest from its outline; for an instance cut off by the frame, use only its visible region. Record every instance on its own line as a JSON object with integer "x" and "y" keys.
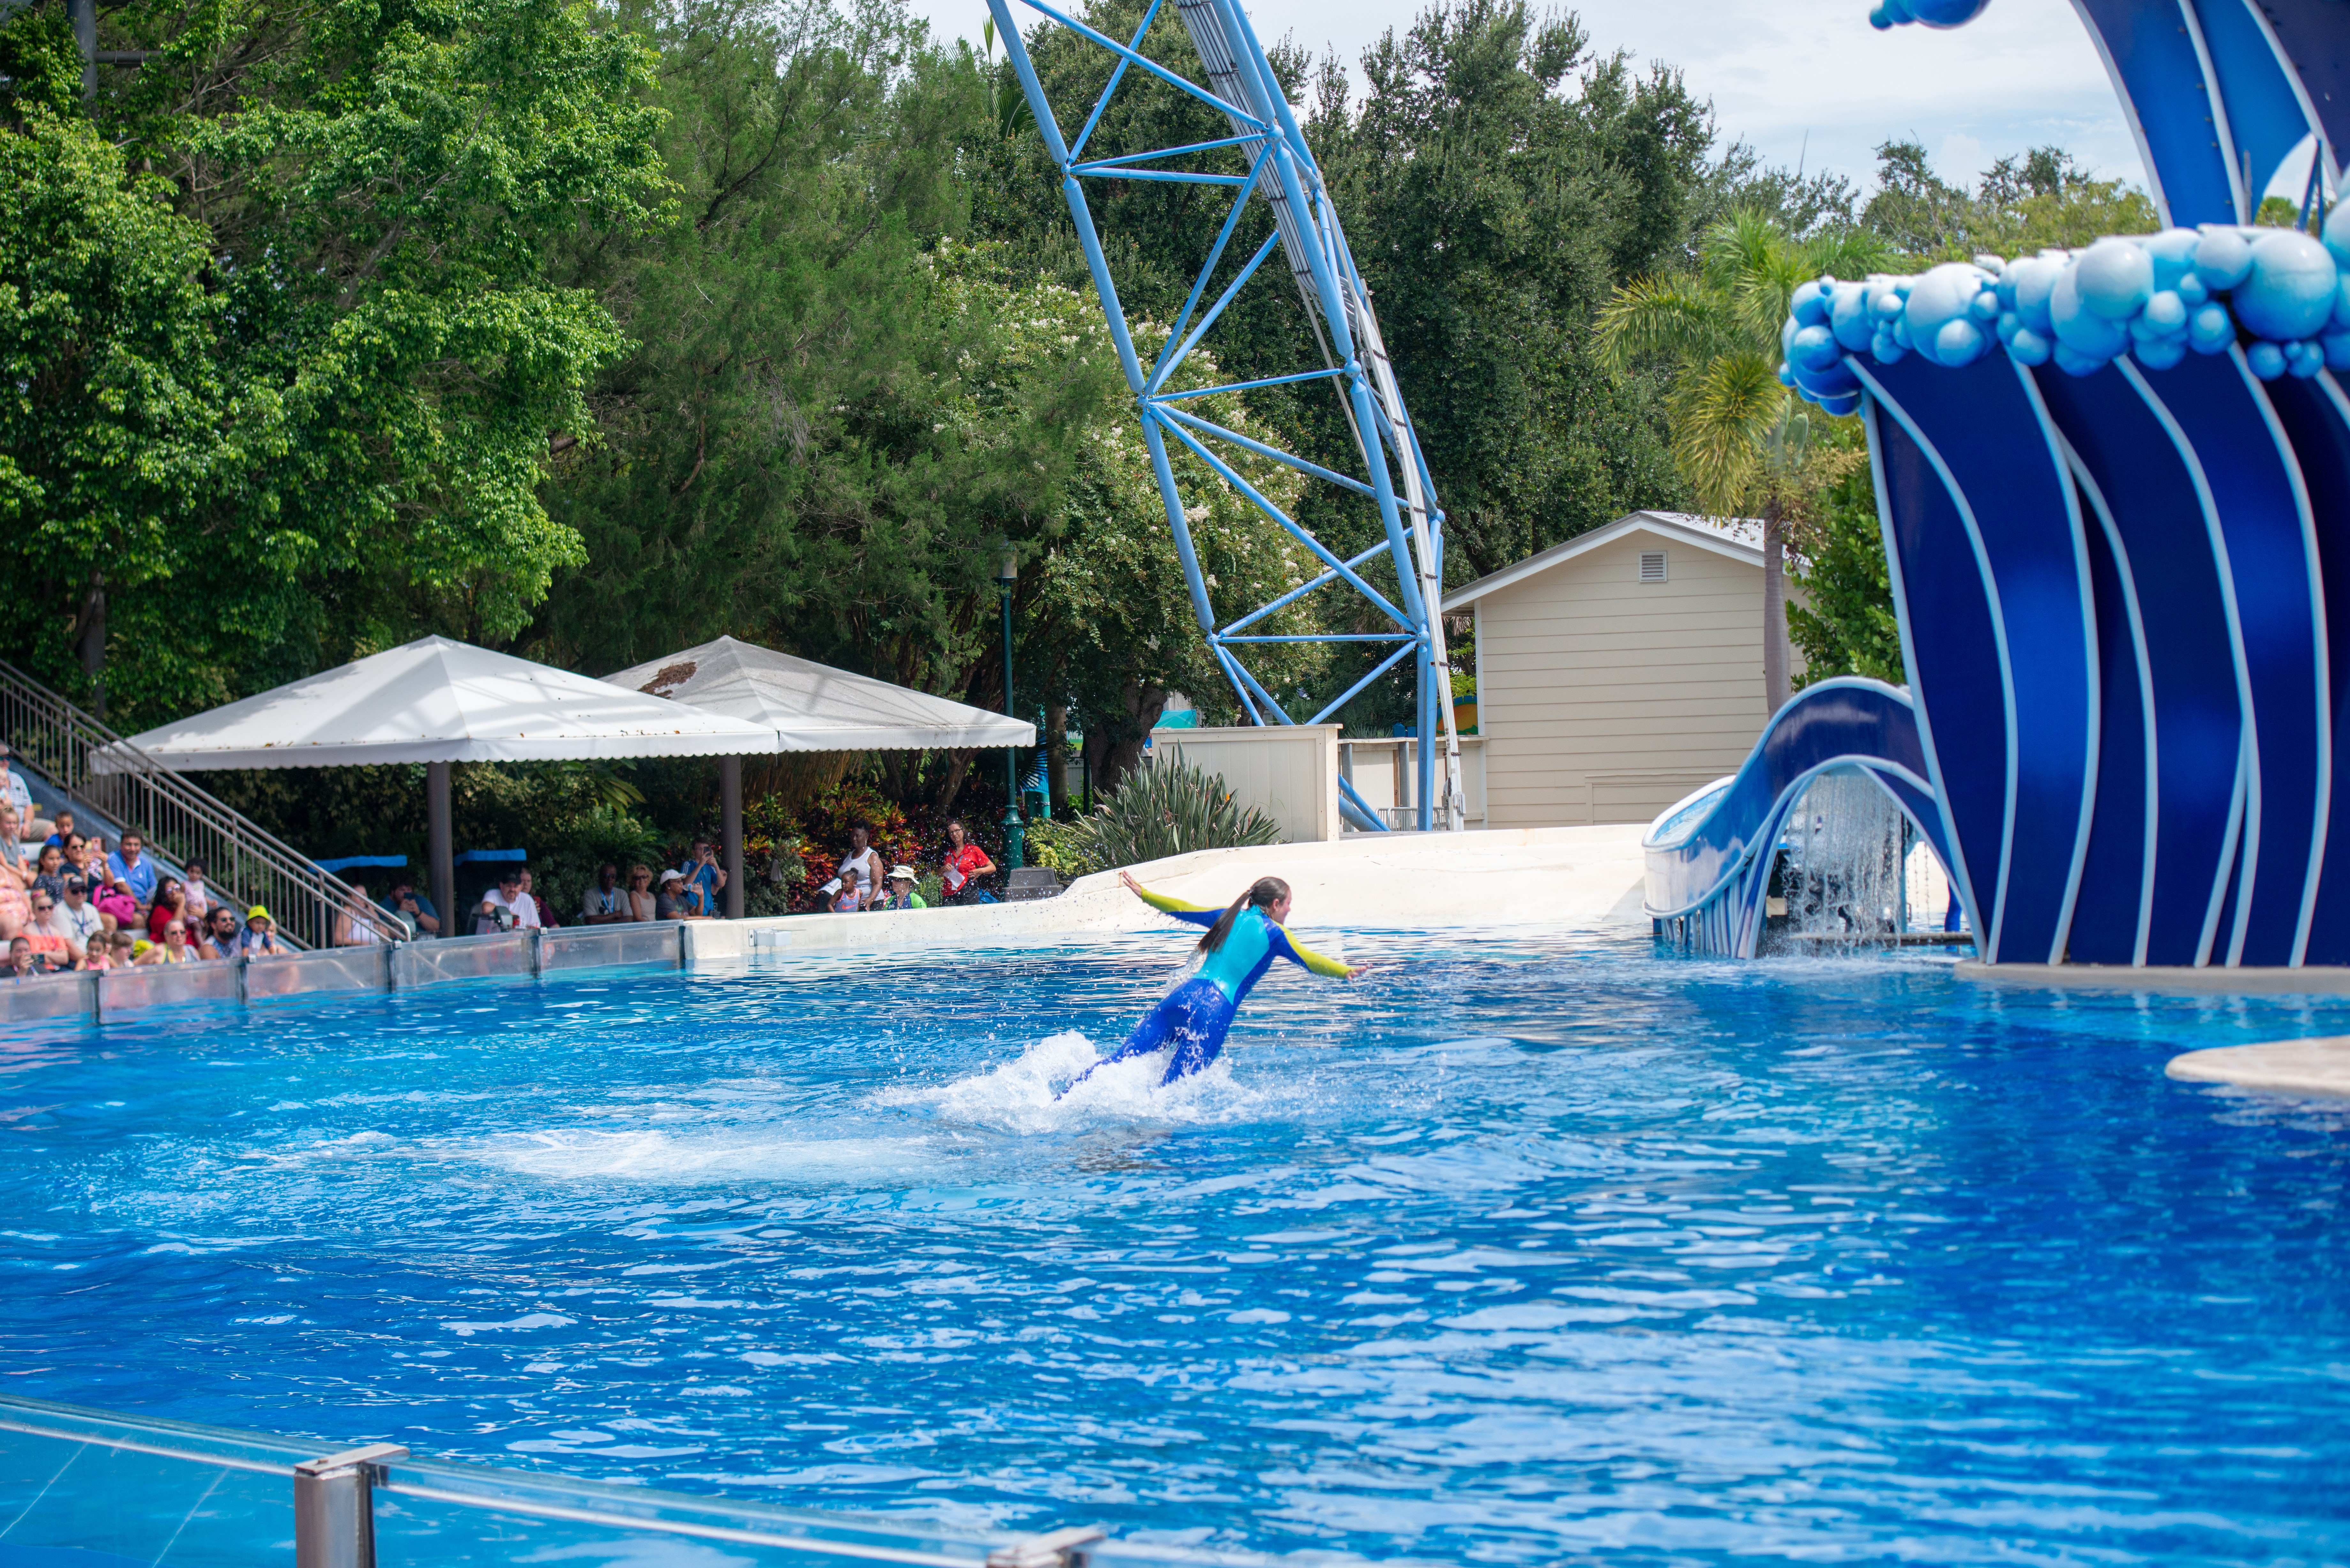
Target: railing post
{"x": 334, "y": 1507}
{"x": 1059, "y": 1549}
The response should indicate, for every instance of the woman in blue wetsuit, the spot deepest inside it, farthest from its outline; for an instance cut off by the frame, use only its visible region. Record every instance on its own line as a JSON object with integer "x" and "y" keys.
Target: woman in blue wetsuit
{"x": 1242, "y": 942}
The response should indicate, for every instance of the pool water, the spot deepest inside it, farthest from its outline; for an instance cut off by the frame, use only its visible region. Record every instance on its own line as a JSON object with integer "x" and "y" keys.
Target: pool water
{"x": 1514, "y": 1250}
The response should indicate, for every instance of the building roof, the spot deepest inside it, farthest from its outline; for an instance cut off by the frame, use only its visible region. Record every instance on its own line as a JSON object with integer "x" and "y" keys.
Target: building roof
{"x": 1740, "y": 539}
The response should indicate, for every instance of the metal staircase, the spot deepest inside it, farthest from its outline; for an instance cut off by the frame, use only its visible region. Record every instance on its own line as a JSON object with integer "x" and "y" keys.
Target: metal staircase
{"x": 54, "y": 740}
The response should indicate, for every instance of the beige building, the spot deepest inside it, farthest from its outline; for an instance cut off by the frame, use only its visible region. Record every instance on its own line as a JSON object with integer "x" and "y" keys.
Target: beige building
{"x": 1619, "y": 671}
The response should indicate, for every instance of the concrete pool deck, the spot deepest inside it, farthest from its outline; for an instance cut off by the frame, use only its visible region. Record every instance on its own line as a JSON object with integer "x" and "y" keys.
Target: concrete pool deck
{"x": 2319, "y": 1066}
{"x": 1574, "y": 879}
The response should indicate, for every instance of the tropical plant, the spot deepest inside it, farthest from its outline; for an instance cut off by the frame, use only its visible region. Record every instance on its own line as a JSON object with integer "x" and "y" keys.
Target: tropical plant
{"x": 1170, "y": 807}
{"x": 1741, "y": 439}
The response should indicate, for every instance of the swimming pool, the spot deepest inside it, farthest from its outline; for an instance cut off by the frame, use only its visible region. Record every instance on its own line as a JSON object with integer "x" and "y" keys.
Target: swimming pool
{"x": 1515, "y": 1249}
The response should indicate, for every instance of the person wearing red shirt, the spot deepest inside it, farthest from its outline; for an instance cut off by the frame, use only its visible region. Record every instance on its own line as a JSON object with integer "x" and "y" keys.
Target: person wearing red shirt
{"x": 965, "y": 864}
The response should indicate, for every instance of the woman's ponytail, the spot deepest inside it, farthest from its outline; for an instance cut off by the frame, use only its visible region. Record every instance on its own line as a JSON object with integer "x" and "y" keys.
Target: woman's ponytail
{"x": 1264, "y": 894}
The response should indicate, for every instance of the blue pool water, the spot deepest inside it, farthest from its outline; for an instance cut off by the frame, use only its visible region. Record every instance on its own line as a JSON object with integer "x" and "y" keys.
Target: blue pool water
{"x": 1513, "y": 1252}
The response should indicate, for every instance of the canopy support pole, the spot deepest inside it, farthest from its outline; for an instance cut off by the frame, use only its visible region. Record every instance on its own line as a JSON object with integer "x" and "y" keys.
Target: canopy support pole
{"x": 440, "y": 852}
{"x": 729, "y": 828}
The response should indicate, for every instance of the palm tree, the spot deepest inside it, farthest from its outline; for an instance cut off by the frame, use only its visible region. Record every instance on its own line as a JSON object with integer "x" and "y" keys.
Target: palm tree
{"x": 1741, "y": 439}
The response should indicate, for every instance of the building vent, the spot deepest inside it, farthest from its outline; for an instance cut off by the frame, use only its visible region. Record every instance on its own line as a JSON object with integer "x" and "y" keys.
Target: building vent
{"x": 1652, "y": 565}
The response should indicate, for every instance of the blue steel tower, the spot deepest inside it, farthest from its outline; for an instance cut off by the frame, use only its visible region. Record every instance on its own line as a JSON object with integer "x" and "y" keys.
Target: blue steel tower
{"x": 1393, "y": 473}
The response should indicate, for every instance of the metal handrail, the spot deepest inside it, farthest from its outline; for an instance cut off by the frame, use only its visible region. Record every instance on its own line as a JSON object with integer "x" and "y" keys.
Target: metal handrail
{"x": 246, "y": 861}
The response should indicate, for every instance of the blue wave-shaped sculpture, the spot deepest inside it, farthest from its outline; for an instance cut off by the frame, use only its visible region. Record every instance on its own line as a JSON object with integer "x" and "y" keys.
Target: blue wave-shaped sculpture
{"x": 1710, "y": 857}
{"x": 2115, "y": 489}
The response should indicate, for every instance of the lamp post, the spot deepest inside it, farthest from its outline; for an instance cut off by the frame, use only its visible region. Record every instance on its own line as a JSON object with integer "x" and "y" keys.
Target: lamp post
{"x": 1007, "y": 572}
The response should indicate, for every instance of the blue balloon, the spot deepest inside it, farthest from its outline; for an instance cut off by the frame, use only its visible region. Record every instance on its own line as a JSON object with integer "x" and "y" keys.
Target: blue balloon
{"x": 2114, "y": 279}
{"x": 2337, "y": 236}
{"x": 2266, "y": 359}
{"x": 2173, "y": 255}
{"x": 2337, "y": 350}
{"x": 2166, "y": 314}
{"x": 2303, "y": 359}
{"x": 2084, "y": 331}
{"x": 1959, "y": 342}
{"x": 1848, "y": 316}
{"x": 2211, "y": 329}
{"x": 2035, "y": 278}
{"x": 1942, "y": 296}
{"x": 1886, "y": 348}
{"x": 2160, "y": 354}
{"x": 1786, "y": 375}
{"x": 2074, "y": 364}
{"x": 2028, "y": 348}
{"x": 1848, "y": 403}
{"x": 1809, "y": 304}
{"x": 2288, "y": 292}
{"x": 2191, "y": 289}
{"x": 2222, "y": 257}
{"x": 1814, "y": 348}
{"x": 1945, "y": 12}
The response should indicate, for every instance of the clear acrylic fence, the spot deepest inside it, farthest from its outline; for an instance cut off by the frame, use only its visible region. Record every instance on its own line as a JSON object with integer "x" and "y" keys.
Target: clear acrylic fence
{"x": 87, "y": 1488}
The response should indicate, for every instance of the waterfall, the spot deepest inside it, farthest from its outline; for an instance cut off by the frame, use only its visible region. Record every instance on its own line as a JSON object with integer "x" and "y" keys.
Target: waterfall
{"x": 1843, "y": 873}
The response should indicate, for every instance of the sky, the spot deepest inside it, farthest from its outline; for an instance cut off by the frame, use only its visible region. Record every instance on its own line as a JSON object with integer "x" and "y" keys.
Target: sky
{"x": 1806, "y": 79}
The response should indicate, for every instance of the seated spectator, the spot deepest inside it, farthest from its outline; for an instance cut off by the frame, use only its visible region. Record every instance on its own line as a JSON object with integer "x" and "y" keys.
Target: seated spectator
{"x": 546, "y": 921}
{"x": 14, "y": 795}
{"x": 22, "y": 963}
{"x": 356, "y": 922}
{"x": 670, "y": 903}
{"x": 81, "y": 917}
{"x": 14, "y": 851}
{"x": 259, "y": 938}
{"x": 172, "y": 948}
{"x": 901, "y": 893}
{"x": 131, "y": 871}
{"x": 49, "y": 872}
{"x": 704, "y": 879}
{"x": 115, "y": 904}
{"x": 16, "y": 884}
{"x": 606, "y": 903}
{"x": 848, "y": 893}
{"x": 411, "y": 908}
{"x": 217, "y": 940}
{"x": 100, "y": 953}
{"x": 200, "y": 897}
{"x": 52, "y": 942}
{"x": 505, "y": 907}
{"x": 644, "y": 904}
{"x": 61, "y": 829}
{"x": 965, "y": 865}
{"x": 171, "y": 904}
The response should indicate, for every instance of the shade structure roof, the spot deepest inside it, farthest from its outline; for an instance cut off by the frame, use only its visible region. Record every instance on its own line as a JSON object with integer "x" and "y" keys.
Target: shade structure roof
{"x": 434, "y": 700}
{"x": 815, "y": 708}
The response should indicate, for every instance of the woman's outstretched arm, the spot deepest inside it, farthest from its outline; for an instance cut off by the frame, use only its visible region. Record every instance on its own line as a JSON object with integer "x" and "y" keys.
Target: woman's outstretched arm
{"x": 1298, "y": 953}
{"x": 1194, "y": 913}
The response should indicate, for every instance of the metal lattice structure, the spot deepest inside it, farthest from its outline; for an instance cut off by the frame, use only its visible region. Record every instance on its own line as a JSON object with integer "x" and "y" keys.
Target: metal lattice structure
{"x": 1394, "y": 475}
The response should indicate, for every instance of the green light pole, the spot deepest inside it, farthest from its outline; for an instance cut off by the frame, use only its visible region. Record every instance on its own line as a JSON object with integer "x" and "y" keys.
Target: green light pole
{"x": 1007, "y": 572}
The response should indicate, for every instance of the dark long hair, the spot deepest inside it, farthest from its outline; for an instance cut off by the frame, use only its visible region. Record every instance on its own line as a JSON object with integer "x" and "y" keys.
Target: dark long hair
{"x": 1264, "y": 894}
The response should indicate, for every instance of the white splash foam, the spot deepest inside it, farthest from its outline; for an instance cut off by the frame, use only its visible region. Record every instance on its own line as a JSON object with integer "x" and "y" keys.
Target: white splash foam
{"x": 1038, "y": 1091}
{"x": 647, "y": 1155}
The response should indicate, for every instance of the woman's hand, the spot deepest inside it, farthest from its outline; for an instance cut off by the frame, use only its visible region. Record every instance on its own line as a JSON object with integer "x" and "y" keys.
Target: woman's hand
{"x": 1360, "y": 969}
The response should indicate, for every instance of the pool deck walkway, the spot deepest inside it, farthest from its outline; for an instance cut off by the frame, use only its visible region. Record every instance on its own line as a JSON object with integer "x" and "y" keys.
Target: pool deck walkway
{"x": 1561, "y": 879}
{"x": 2319, "y": 1066}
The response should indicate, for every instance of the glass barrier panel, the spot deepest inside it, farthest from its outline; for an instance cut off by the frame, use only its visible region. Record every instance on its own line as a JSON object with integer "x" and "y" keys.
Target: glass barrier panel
{"x": 50, "y": 996}
{"x": 462, "y": 958}
{"x": 76, "y": 1494}
{"x": 581, "y": 946}
{"x": 166, "y": 985}
{"x": 305, "y": 974}
{"x": 461, "y": 1517}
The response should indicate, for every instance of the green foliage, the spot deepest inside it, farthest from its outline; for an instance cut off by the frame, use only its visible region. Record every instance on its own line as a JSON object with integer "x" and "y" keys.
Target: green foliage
{"x": 289, "y": 397}
{"x": 2022, "y": 204}
{"x": 1844, "y": 622}
{"x": 1170, "y": 807}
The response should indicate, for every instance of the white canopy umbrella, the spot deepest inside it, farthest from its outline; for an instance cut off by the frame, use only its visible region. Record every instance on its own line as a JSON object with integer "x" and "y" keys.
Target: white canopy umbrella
{"x": 437, "y": 701}
{"x": 810, "y": 706}
{"x": 814, "y": 708}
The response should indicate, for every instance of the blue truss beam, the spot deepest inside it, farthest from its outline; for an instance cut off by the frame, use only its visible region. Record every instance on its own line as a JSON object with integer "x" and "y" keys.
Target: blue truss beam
{"x": 1394, "y": 475}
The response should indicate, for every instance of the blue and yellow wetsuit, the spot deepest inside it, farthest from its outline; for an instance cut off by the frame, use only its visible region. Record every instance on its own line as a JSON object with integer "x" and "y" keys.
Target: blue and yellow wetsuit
{"x": 1195, "y": 1014}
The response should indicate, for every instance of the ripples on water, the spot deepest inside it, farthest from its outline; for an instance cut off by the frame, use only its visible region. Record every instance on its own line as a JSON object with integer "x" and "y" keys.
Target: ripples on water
{"x": 1511, "y": 1252}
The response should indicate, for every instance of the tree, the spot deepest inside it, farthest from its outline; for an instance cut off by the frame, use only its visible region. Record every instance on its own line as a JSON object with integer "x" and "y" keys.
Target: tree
{"x": 2024, "y": 203}
{"x": 1741, "y": 438}
{"x": 366, "y": 192}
